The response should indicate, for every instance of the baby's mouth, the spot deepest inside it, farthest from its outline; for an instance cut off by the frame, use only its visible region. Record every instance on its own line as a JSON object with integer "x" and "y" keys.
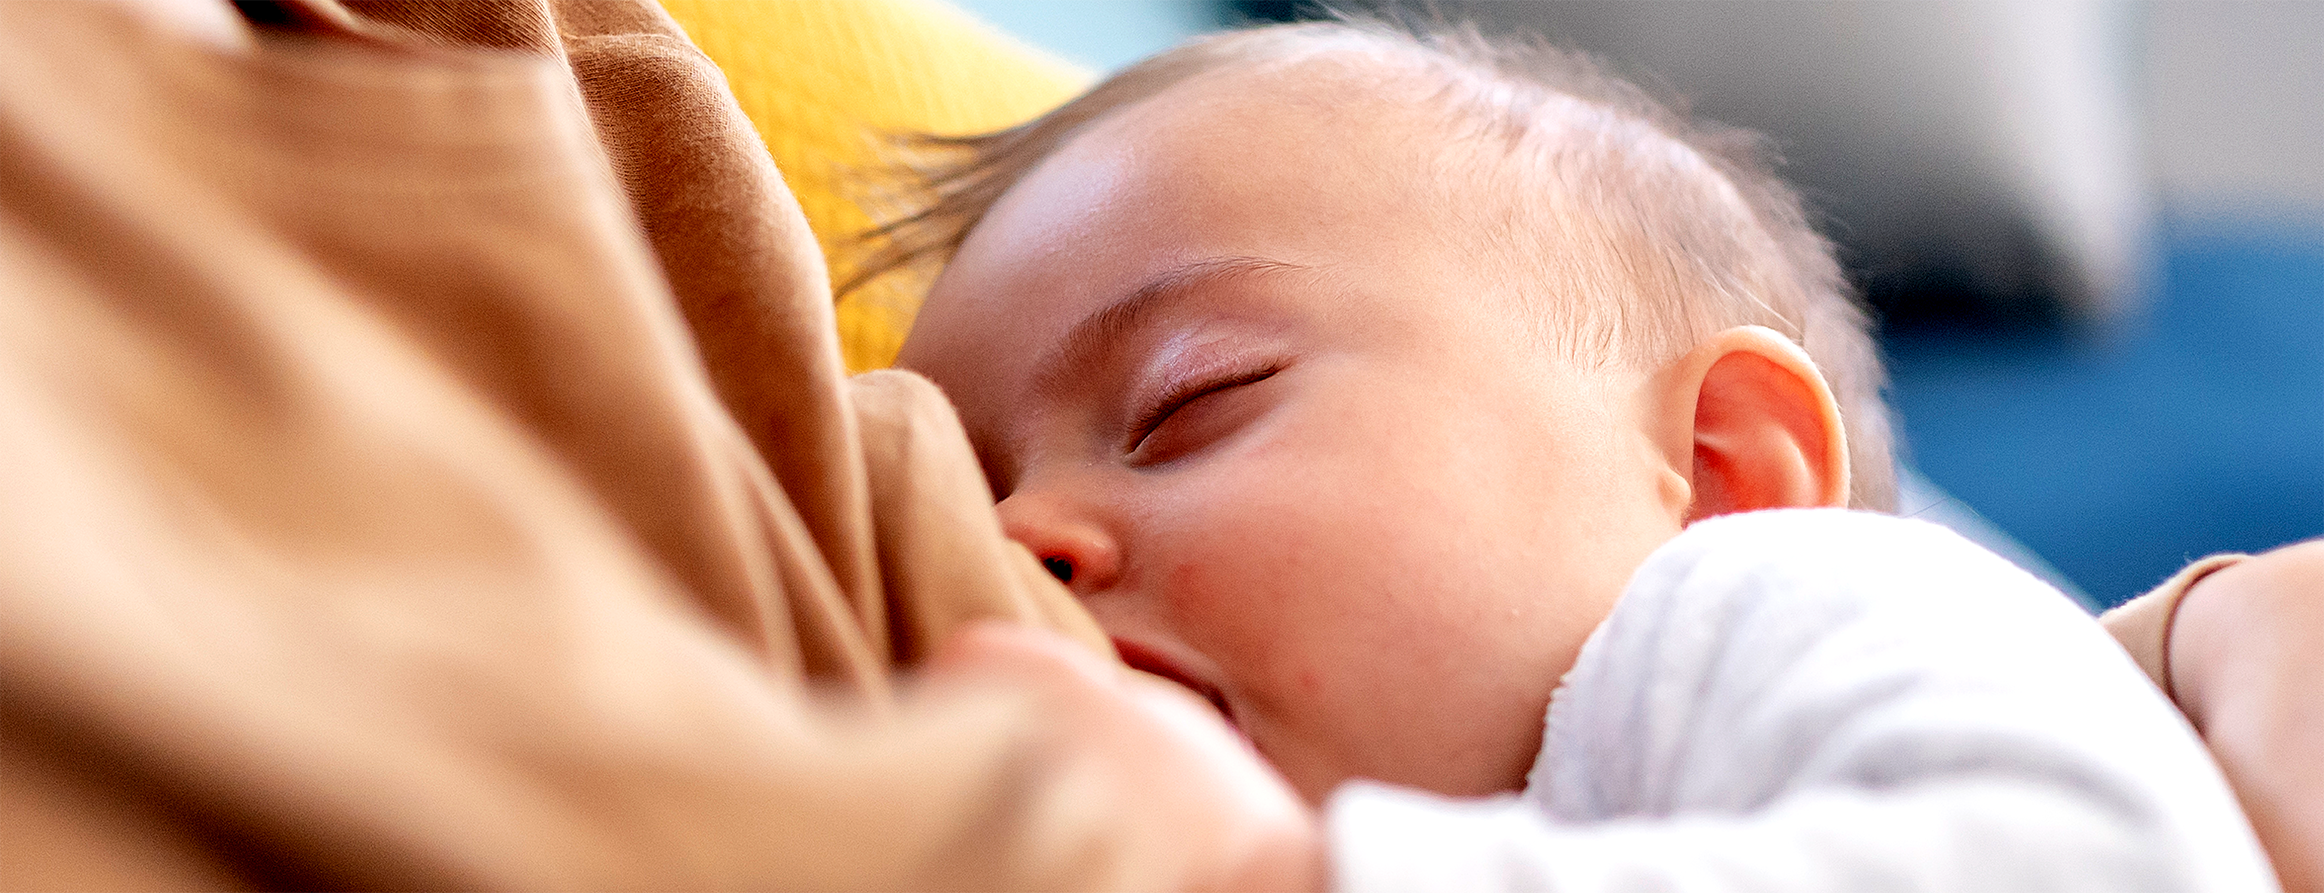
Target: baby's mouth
{"x": 1145, "y": 660}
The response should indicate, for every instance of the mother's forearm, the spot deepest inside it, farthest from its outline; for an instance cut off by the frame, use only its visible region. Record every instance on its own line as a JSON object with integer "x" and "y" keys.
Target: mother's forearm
{"x": 2246, "y": 654}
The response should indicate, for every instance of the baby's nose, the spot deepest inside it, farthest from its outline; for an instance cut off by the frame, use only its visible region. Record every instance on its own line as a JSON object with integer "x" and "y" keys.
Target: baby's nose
{"x": 1075, "y": 548}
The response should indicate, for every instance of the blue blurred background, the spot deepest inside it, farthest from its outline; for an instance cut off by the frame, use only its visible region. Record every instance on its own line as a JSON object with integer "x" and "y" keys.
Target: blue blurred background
{"x": 2094, "y": 232}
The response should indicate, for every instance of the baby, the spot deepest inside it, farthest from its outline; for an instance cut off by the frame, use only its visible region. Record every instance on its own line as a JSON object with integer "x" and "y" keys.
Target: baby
{"x": 1395, "y": 393}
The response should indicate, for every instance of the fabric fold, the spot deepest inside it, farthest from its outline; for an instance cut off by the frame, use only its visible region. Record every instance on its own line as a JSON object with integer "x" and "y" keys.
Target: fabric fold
{"x": 427, "y": 464}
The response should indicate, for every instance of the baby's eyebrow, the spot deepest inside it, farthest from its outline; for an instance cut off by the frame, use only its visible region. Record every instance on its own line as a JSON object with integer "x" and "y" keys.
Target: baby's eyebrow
{"x": 1103, "y": 329}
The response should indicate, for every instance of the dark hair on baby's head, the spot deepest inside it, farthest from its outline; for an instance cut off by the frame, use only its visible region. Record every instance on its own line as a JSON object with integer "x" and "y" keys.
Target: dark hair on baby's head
{"x": 1692, "y": 230}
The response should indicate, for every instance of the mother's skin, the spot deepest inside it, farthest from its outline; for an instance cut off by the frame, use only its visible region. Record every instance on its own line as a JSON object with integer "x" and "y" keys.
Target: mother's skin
{"x": 2246, "y": 659}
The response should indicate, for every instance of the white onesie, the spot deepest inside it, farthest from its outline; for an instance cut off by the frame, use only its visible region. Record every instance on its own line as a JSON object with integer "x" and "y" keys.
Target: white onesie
{"x": 1820, "y": 700}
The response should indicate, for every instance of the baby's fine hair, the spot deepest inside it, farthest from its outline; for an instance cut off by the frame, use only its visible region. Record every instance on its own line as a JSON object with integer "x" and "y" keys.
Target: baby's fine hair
{"x": 1692, "y": 227}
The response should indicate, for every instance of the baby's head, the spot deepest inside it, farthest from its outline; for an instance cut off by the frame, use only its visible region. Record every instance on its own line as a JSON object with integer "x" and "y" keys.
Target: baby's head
{"x": 1347, "y": 376}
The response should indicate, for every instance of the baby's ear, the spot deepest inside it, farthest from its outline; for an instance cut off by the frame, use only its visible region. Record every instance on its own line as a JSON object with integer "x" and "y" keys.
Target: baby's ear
{"x": 1748, "y": 419}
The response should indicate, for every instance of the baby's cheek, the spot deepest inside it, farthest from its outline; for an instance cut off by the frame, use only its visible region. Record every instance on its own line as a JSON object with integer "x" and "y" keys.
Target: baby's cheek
{"x": 1221, "y": 608}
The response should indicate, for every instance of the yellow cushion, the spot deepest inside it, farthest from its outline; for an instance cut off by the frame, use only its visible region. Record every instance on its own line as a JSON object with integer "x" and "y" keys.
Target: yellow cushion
{"x": 824, "y": 79}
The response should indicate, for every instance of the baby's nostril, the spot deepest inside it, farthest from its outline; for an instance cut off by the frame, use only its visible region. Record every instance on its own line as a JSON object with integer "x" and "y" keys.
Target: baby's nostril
{"x": 1059, "y": 567}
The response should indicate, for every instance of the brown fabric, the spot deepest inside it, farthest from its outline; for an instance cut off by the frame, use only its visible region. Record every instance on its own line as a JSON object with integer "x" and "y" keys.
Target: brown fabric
{"x": 425, "y": 462}
{"x": 2143, "y": 624}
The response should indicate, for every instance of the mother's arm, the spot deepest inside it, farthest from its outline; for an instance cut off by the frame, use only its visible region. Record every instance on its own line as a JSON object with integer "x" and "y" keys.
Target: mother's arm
{"x": 2245, "y": 655}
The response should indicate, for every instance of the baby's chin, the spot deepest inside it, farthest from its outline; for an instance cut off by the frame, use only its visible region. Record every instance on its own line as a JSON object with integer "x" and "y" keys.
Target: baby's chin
{"x": 1312, "y": 777}
{"x": 1315, "y": 771}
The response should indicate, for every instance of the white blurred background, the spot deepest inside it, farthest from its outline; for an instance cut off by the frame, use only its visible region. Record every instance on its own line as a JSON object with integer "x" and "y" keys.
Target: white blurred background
{"x": 2227, "y": 89}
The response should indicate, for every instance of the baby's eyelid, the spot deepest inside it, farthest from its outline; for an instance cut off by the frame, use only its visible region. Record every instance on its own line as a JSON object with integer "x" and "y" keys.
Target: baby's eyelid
{"x": 1175, "y": 399}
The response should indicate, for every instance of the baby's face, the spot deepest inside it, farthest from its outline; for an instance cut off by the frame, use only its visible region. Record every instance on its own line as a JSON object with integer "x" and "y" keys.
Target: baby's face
{"x": 1228, "y": 356}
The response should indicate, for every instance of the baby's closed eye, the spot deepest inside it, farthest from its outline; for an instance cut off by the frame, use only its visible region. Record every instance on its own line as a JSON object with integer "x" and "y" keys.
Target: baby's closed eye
{"x": 1195, "y": 414}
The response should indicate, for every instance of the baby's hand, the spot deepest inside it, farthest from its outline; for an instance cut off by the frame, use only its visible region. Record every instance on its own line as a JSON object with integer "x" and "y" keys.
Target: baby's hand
{"x": 1165, "y": 752}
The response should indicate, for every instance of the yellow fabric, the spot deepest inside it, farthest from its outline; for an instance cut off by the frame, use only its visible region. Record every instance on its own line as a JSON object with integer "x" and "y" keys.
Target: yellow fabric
{"x": 823, "y": 79}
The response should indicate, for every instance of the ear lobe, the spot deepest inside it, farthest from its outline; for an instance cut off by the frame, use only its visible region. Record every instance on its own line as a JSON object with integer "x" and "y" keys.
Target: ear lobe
{"x": 1764, "y": 429}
